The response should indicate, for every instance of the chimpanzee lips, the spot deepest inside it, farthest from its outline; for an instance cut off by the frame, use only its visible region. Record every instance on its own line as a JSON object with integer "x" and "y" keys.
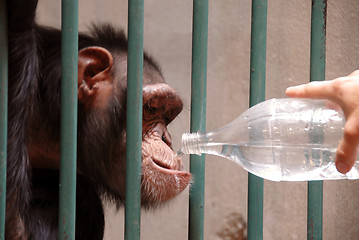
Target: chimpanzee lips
{"x": 163, "y": 175}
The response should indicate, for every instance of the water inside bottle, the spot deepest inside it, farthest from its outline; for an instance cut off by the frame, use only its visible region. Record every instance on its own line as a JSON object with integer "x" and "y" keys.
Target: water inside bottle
{"x": 289, "y": 163}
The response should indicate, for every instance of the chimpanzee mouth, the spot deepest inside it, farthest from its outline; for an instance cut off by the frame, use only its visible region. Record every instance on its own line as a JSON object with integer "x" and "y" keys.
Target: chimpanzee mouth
{"x": 161, "y": 164}
{"x": 173, "y": 163}
{"x": 162, "y": 169}
{"x": 159, "y": 142}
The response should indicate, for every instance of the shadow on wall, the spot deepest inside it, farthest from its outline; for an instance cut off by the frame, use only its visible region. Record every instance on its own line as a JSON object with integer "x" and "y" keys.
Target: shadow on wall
{"x": 235, "y": 228}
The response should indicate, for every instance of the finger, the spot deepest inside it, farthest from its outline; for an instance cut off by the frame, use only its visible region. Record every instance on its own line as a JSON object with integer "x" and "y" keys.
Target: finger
{"x": 317, "y": 89}
{"x": 355, "y": 73}
{"x": 345, "y": 157}
{"x": 348, "y": 149}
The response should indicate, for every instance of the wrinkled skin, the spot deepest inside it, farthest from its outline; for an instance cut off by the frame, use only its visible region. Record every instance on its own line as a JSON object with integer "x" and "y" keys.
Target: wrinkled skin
{"x": 162, "y": 169}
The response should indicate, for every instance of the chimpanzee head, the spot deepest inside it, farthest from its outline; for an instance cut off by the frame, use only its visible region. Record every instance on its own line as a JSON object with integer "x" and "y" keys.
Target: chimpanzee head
{"x": 102, "y": 91}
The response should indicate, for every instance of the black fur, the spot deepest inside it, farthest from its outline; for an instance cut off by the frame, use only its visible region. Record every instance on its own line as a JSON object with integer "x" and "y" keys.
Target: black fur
{"x": 43, "y": 212}
{"x": 34, "y": 99}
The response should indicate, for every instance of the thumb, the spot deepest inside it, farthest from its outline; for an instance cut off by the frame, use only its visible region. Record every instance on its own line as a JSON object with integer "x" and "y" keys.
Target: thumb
{"x": 348, "y": 149}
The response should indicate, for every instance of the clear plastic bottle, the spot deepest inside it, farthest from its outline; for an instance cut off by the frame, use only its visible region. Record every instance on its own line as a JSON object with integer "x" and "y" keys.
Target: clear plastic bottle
{"x": 280, "y": 140}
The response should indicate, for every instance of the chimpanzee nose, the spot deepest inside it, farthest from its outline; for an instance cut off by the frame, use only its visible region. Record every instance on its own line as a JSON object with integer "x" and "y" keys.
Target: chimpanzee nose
{"x": 160, "y": 101}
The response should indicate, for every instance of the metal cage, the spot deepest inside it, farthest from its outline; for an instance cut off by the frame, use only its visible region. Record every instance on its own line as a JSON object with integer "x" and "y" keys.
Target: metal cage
{"x": 134, "y": 121}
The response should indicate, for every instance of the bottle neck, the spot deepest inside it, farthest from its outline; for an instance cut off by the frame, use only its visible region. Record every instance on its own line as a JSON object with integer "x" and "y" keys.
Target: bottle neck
{"x": 192, "y": 143}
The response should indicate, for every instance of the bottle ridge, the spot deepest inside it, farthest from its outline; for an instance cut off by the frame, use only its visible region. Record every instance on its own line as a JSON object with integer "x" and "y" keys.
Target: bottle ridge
{"x": 280, "y": 140}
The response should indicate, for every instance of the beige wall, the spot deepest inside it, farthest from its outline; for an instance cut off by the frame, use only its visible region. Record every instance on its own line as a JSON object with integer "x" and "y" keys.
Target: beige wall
{"x": 167, "y": 37}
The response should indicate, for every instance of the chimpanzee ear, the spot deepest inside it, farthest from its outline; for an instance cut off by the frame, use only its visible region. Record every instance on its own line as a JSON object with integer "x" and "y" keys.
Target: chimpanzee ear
{"x": 94, "y": 71}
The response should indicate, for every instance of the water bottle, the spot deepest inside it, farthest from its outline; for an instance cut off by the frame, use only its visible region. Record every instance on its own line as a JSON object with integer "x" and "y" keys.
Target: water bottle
{"x": 280, "y": 140}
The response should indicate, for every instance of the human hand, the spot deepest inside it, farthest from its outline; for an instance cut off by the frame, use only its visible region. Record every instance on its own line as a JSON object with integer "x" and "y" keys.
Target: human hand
{"x": 345, "y": 92}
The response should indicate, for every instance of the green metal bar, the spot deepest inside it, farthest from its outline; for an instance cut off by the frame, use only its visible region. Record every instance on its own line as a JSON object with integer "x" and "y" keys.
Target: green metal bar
{"x": 69, "y": 65}
{"x": 317, "y": 72}
{"x": 134, "y": 119}
{"x": 257, "y": 94}
{"x": 3, "y": 114}
{"x": 198, "y": 115}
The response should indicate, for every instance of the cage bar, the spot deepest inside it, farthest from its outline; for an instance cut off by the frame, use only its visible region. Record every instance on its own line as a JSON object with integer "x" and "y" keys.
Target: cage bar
{"x": 3, "y": 113}
{"x": 317, "y": 72}
{"x": 134, "y": 115}
{"x": 69, "y": 65}
{"x": 134, "y": 119}
{"x": 257, "y": 94}
{"x": 198, "y": 115}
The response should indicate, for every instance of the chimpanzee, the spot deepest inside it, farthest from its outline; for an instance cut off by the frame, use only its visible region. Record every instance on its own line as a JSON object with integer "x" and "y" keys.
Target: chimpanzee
{"x": 34, "y": 128}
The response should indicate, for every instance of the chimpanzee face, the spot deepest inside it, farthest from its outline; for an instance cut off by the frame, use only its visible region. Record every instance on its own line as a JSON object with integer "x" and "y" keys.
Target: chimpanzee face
{"x": 102, "y": 127}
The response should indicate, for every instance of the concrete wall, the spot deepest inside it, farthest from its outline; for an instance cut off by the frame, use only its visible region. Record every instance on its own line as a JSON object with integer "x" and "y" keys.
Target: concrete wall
{"x": 168, "y": 26}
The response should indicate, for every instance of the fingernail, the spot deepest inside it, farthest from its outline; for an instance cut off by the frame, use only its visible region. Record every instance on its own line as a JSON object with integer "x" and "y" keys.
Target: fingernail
{"x": 342, "y": 167}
